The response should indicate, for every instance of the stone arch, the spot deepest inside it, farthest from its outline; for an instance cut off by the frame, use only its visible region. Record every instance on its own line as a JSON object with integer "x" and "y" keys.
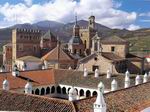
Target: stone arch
{"x": 53, "y": 89}
{"x": 48, "y": 90}
{"x": 68, "y": 89}
{"x": 81, "y": 92}
{"x": 76, "y": 90}
{"x": 64, "y": 90}
{"x": 42, "y": 91}
{"x": 88, "y": 93}
{"x": 58, "y": 89}
{"x": 94, "y": 93}
{"x": 37, "y": 91}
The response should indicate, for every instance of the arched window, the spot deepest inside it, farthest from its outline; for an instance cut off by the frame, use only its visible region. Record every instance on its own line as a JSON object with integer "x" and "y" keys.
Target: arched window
{"x": 37, "y": 91}
{"x": 85, "y": 43}
{"x": 53, "y": 89}
{"x": 88, "y": 93}
{"x": 32, "y": 92}
{"x": 59, "y": 89}
{"x": 47, "y": 90}
{"x": 64, "y": 90}
{"x": 94, "y": 93}
{"x": 95, "y": 46}
{"x": 42, "y": 91}
{"x": 81, "y": 92}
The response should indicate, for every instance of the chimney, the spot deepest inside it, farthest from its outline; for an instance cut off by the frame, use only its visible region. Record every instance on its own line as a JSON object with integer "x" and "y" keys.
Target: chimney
{"x": 28, "y": 88}
{"x": 85, "y": 72}
{"x": 137, "y": 80}
{"x": 127, "y": 81}
{"x": 145, "y": 78}
{"x": 15, "y": 71}
{"x": 114, "y": 85}
{"x": 99, "y": 104}
{"x": 108, "y": 74}
{"x": 5, "y": 85}
{"x": 96, "y": 73}
{"x": 72, "y": 94}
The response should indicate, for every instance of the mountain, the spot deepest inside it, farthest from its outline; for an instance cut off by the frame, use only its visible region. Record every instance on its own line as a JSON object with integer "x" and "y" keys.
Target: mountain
{"x": 64, "y": 31}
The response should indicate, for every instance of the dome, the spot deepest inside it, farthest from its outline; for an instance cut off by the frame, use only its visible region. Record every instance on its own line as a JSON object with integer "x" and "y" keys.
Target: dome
{"x": 73, "y": 91}
{"x": 75, "y": 40}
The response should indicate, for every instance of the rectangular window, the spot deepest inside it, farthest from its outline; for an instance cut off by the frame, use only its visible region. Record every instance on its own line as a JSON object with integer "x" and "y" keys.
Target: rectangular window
{"x": 94, "y": 67}
{"x": 112, "y": 49}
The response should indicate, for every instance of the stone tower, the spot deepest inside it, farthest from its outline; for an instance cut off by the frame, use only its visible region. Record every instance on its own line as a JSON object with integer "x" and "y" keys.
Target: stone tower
{"x": 91, "y": 22}
{"x": 25, "y": 42}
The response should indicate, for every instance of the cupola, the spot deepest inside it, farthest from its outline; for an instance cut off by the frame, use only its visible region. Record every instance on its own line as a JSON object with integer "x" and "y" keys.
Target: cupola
{"x": 114, "y": 85}
{"x": 72, "y": 94}
{"x": 5, "y": 85}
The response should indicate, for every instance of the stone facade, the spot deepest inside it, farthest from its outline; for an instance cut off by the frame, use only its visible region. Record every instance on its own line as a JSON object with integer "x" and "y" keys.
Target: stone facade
{"x": 25, "y": 42}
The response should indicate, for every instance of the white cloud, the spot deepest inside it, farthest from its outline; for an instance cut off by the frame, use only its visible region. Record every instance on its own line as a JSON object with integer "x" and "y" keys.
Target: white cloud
{"x": 133, "y": 27}
{"x": 106, "y": 12}
{"x": 28, "y": 2}
{"x": 145, "y": 14}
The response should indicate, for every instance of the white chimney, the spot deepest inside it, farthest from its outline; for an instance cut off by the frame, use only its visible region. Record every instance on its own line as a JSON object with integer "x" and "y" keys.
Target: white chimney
{"x": 137, "y": 80}
{"x": 15, "y": 71}
{"x": 5, "y": 85}
{"x": 28, "y": 88}
{"x": 46, "y": 64}
{"x": 99, "y": 104}
{"x": 24, "y": 68}
{"x": 96, "y": 73}
{"x": 108, "y": 74}
{"x": 127, "y": 73}
{"x": 70, "y": 68}
{"x": 114, "y": 85}
{"x": 2, "y": 69}
{"x": 85, "y": 72}
{"x": 72, "y": 94}
{"x": 145, "y": 78}
{"x": 127, "y": 81}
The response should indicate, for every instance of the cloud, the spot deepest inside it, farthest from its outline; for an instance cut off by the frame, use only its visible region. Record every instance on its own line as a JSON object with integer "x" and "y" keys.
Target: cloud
{"x": 133, "y": 27}
{"x": 106, "y": 12}
{"x": 145, "y": 14}
{"x": 28, "y": 2}
{"x": 145, "y": 20}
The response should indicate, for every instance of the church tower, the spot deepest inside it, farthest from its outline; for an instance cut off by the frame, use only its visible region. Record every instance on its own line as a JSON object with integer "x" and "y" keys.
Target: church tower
{"x": 75, "y": 45}
{"x": 92, "y": 22}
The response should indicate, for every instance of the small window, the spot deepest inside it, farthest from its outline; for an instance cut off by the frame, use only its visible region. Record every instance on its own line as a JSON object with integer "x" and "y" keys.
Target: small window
{"x": 112, "y": 49}
{"x": 75, "y": 51}
{"x": 94, "y": 67}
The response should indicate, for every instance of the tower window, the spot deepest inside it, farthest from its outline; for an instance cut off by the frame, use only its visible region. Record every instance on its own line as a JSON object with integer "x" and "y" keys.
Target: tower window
{"x": 75, "y": 51}
{"x": 112, "y": 49}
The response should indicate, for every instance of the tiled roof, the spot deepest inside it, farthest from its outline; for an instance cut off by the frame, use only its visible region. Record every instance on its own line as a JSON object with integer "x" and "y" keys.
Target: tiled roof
{"x": 29, "y": 58}
{"x": 133, "y": 57}
{"x": 113, "y": 40}
{"x": 53, "y": 55}
{"x": 76, "y": 78}
{"x": 111, "y": 56}
{"x": 38, "y": 78}
{"x": 11, "y": 101}
{"x": 133, "y": 99}
{"x": 107, "y": 55}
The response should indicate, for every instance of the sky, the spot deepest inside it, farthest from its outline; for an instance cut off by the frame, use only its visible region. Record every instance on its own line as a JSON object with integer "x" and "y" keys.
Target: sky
{"x": 128, "y": 14}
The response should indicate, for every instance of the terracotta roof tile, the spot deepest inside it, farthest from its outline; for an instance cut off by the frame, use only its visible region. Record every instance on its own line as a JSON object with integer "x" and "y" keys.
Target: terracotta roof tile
{"x": 38, "y": 78}
{"x": 133, "y": 99}
{"x": 11, "y": 101}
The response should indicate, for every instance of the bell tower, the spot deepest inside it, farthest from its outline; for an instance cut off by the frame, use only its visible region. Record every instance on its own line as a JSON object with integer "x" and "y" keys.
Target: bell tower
{"x": 92, "y": 22}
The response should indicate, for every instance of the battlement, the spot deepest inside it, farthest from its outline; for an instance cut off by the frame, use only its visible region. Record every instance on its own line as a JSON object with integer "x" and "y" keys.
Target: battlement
{"x": 23, "y": 30}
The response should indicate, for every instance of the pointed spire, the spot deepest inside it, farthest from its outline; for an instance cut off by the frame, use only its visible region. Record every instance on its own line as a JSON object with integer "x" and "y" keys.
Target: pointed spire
{"x": 99, "y": 104}
{"x": 76, "y": 19}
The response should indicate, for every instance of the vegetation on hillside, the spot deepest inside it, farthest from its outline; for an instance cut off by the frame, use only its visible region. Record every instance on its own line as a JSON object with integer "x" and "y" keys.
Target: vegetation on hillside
{"x": 140, "y": 44}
